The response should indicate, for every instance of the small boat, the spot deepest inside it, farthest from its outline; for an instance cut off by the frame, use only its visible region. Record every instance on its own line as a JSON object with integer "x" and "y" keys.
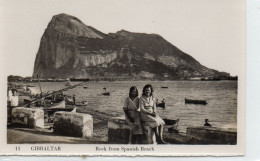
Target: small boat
{"x": 171, "y": 125}
{"x": 190, "y": 101}
{"x": 57, "y": 105}
{"x": 164, "y": 87}
{"x": 69, "y": 101}
{"x": 79, "y": 79}
{"x": 106, "y": 93}
{"x": 162, "y": 105}
{"x": 84, "y": 103}
{"x": 171, "y": 122}
{"x": 85, "y": 87}
{"x": 68, "y": 84}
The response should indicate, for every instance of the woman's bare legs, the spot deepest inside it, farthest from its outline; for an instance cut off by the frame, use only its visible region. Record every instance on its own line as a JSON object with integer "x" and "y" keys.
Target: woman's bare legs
{"x": 159, "y": 134}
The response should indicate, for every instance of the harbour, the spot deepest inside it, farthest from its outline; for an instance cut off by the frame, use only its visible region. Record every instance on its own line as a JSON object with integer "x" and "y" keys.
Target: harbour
{"x": 221, "y": 97}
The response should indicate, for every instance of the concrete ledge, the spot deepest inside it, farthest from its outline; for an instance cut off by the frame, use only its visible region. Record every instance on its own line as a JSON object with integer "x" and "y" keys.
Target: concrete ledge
{"x": 27, "y": 117}
{"x": 73, "y": 124}
{"x": 149, "y": 135}
{"x": 118, "y": 131}
{"x": 211, "y": 135}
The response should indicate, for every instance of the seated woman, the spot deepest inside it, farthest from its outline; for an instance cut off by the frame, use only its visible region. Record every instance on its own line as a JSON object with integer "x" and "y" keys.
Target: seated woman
{"x": 147, "y": 105}
{"x": 132, "y": 113}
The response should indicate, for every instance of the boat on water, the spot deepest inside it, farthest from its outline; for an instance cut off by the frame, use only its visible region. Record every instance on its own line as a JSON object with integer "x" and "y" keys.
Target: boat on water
{"x": 162, "y": 105}
{"x": 84, "y": 103}
{"x": 106, "y": 93}
{"x": 58, "y": 105}
{"x": 164, "y": 87}
{"x": 68, "y": 84}
{"x": 85, "y": 87}
{"x": 191, "y": 101}
{"x": 171, "y": 125}
{"x": 79, "y": 79}
{"x": 51, "y": 102}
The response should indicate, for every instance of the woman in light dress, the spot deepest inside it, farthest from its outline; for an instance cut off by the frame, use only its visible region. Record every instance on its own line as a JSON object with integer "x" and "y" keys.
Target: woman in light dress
{"x": 132, "y": 114}
{"x": 147, "y": 106}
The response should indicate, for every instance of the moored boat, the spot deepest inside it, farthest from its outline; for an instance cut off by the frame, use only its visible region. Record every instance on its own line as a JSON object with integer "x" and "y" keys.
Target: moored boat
{"x": 84, "y": 103}
{"x": 79, "y": 79}
{"x": 68, "y": 84}
{"x": 164, "y": 87}
{"x": 162, "y": 105}
{"x": 190, "y": 101}
{"x": 106, "y": 93}
{"x": 58, "y": 105}
{"x": 171, "y": 125}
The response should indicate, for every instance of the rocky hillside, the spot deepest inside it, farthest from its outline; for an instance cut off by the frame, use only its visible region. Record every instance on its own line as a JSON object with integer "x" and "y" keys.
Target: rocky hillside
{"x": 69, "y": 48}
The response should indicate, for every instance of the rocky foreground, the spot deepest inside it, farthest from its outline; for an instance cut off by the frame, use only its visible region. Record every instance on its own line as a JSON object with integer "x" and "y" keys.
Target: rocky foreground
{"x": 46, "y": 135}
{"x": 194, "y": 135}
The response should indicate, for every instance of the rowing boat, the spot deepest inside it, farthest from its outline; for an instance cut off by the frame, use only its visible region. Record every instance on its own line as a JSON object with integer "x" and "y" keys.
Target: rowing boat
{"x": 190, "y": 101}
{"x": 171, "y": 125}
{"x": 162, "y": 105}
{"x": 58, "y": 105}
{"x": 106, "y": 93}
{"x": 164, "y": 87}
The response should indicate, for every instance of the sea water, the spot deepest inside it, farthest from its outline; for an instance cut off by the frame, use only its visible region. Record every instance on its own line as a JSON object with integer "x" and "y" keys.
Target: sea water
{"x": 221, "y": 97}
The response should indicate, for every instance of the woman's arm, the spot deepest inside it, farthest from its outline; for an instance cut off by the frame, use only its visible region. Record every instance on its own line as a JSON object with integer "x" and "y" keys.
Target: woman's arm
{"x": 138, "y": 106}
{"x": 154, "y": 106}
{"x": 125, "y": 107}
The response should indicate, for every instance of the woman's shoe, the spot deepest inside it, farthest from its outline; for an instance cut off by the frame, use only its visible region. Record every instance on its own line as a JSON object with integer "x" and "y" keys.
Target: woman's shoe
{"x": 161, "y": 141}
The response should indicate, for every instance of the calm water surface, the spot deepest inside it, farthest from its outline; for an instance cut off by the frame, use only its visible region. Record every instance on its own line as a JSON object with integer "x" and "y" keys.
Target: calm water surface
{"x": 221, "y": 97}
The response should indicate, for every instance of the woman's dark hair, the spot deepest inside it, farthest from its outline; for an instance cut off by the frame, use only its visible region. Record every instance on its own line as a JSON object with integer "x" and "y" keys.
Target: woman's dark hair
{"x": 148, "y": 86}
{"x": 132, "y": 89}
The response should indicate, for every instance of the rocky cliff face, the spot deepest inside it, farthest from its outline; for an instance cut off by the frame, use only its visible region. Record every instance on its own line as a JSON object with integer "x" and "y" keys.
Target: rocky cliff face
{"x": 69, "y": 48}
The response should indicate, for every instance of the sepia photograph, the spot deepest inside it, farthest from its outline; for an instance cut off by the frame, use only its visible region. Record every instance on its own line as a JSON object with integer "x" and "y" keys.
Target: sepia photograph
{"x": 111, "y": 77}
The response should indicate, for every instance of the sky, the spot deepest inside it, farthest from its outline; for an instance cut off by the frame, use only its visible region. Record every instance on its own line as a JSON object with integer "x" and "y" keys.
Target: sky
{"x": 211, "y": 31}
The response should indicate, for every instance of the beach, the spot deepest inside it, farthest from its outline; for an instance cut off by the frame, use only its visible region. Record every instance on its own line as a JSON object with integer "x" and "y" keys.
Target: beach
{"x": 221, "y": 109}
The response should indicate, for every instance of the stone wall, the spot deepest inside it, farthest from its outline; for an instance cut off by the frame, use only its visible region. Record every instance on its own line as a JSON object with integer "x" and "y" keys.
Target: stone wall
{"x": 211, "y": 135}
{"x": 149, "y": 134}
{"x": 118, "y": 131}
{"x": 27, "y": 117}
{"x": 73, "y": 124}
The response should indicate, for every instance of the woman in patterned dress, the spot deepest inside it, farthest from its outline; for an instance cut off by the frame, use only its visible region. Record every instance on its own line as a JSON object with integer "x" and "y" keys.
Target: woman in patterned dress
{"x": 132, "y": 114}
{"x": 147, "y": 105}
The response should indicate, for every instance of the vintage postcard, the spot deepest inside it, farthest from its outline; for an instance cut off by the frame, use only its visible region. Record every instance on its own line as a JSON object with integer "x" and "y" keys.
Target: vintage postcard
{"x": 122, "y": 78}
